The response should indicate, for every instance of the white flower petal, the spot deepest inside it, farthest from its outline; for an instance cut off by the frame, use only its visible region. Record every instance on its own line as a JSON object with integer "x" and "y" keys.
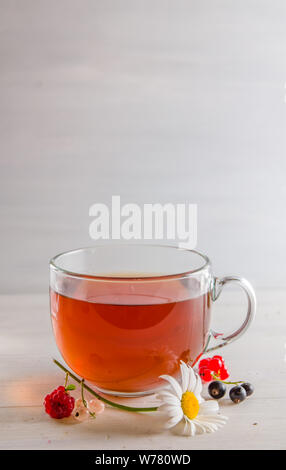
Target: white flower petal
{"x": 193, "y": 429}
{"x": 187, "y": 428}
{"x": 175, "y": 419}
{"x": 213, "y": 419}
{"x": 200, "y": 426}
{"x": 210, "y": 427}
{"x": 174, "y": 384}
{"x": 212, "y": 424}
{"x": 222, "y": 418}
{"x": 170, "y": 398}
{"x": 192, "y": 379}
{"x": 185, "y": 376}
{"x": 208, "y": 407}
{"x": 190, "y": 427}
{"x": 198, "y": 386}
{"x": 170, "y": 409}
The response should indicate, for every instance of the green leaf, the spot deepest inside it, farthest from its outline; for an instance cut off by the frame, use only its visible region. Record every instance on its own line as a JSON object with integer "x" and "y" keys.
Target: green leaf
{"x": 70, "y": 387}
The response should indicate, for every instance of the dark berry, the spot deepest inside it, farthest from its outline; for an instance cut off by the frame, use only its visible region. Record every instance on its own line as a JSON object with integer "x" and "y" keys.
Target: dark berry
{"x": 217, "y": 389}
{"x": 59, "y": 404}
{"x": 248, "y": 388}
{"x": 205, "y": 374}
{"x": 237, "y": 394}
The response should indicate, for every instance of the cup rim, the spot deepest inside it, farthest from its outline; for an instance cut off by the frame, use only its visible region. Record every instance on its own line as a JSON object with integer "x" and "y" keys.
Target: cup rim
{"x": 53, "y": 264}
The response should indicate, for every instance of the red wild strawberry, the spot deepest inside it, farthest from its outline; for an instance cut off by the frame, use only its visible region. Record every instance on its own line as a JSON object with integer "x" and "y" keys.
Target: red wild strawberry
{"x": 59, "y": 404}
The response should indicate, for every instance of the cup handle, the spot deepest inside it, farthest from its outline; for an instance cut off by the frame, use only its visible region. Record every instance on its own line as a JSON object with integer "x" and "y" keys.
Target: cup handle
{"x": 251, "y": 308}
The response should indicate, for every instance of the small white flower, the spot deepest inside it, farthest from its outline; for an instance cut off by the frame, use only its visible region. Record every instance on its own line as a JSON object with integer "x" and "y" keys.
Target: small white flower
{"x": 184, "y": 403}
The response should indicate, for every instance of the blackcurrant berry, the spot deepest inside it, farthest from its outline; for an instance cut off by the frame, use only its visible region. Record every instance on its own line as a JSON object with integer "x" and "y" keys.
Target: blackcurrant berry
{"x": 237, "y": 394}
{"x": 248, "y": 388}
{"x": 217, "y": 389}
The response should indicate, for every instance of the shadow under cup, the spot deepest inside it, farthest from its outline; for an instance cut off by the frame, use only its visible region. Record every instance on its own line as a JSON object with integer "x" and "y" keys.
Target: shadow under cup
{"x": 123, "y": 315}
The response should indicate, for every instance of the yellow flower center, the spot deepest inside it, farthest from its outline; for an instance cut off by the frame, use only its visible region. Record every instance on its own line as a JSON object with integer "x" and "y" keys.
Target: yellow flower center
{"x": 190, "y": 405}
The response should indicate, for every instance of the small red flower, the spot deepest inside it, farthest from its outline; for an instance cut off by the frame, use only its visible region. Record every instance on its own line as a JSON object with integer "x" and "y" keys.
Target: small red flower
{"x": 204, "y": 362}
{"x": 59, "y": 404}
{"x": 215, "y": 364}
{"x": 212, "y": 368}
{"x": 223, "y": 373}
{"x": 205, "y": 374}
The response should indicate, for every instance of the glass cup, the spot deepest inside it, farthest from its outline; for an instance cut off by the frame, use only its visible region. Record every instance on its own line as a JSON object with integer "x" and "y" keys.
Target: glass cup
{"x": 123, "y": 314}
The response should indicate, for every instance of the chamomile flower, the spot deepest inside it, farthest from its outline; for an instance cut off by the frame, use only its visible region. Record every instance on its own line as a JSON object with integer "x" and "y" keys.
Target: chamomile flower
{"x": 184, "y": 403}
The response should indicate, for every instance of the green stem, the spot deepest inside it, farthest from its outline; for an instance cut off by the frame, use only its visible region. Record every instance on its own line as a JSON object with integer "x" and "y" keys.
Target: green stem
{"x": 82, "y": 397}
{"x": 216, "y": 377}
{"x": 66, "y": 381}
{"x": 108, "y": 402}
{"x": 84, "y": 400}
{"x": 233, "y": 383}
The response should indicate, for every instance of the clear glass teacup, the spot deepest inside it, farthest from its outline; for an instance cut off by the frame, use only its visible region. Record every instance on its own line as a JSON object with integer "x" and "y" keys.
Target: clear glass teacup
{"x": 123, "y": 315}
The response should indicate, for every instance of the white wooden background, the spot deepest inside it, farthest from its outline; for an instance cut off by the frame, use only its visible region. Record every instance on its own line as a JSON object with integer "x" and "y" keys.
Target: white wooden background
{"x": 27, "y": 374}
{"x": 154, "y": 100}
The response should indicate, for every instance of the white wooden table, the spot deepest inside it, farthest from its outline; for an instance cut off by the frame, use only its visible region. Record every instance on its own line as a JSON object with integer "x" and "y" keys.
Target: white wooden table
{"x": 28, "y": 374}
